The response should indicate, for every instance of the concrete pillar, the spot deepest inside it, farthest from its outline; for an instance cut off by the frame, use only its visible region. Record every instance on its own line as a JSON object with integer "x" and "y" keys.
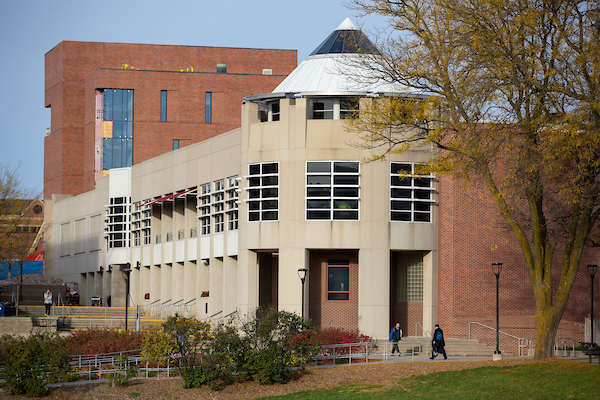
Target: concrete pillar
{"x": 289, "y": 284}
{"x": 374, "y": 292}
{"x": 247, "y": 277}
{"x": 430, "y": 291}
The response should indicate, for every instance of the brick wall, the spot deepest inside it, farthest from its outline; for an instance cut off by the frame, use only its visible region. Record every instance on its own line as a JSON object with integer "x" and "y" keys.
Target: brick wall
{"x": 322, "y": 312}
{"x": 472, "y": 236}
{"x": 74, "y": 70}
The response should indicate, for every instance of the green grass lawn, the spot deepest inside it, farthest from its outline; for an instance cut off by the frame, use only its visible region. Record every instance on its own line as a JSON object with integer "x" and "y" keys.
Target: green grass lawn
{"x": 544, "y": 380}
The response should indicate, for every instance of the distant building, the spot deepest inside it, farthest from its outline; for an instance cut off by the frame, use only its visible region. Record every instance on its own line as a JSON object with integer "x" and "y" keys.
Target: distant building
{"x": 21, "y": 237}
{"x": 115, "y": 105}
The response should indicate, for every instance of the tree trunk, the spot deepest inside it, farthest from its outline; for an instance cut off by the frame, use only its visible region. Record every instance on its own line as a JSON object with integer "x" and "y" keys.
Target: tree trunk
{"x": 546, "y": 322}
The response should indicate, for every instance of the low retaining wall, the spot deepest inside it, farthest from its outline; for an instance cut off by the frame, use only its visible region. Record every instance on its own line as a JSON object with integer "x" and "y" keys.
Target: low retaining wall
{"x": 27, "y": 324}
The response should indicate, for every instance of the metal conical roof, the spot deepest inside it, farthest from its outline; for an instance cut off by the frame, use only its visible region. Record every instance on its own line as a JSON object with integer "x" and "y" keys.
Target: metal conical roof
{"x": 325, "y": 70}
{"x": 346, "y": 39}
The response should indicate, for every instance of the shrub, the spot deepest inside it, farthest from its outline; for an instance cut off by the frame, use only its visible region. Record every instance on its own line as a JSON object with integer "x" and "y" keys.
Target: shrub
{"x": 98, "y": 341}
{"x": 31, "y": 363}
{"x": 123, "y": 374}
{"x": 180, "y": 342}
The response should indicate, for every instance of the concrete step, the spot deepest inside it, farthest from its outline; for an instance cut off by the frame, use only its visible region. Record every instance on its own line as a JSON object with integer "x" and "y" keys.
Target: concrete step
{"x": 82, "y": 323}
{"x": 454, "y": 347}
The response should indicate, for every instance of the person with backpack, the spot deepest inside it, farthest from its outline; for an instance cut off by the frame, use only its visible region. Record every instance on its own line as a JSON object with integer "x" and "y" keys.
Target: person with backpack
{"x": 438, "y": 343}
{"x": 395, "y": 337}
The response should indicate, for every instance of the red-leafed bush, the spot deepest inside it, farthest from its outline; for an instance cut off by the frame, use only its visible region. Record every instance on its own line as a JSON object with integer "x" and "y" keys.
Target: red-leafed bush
{"x": 329, "y": 336}
{"x": 98, "y": 341}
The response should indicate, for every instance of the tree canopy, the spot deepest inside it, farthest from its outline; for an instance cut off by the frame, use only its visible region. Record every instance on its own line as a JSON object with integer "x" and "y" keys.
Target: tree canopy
{"x": 512, "y": 98}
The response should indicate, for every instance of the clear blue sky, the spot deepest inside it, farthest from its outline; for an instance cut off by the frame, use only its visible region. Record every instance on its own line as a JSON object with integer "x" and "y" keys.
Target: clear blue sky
{"x": 31, "y": 28}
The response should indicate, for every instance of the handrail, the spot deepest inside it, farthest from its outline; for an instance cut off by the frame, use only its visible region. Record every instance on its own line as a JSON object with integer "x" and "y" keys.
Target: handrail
{"x": 520, "y": 340}
{"x": 425, "y": 333}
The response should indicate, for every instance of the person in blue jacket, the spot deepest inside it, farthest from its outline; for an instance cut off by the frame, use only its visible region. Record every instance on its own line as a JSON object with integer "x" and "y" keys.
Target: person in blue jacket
{"x": 395, "y": 337}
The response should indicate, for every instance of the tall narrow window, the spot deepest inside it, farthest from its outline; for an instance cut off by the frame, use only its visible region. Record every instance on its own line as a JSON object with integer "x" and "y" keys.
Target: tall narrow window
{"x": 175, "y": 144}
{"x": 117, "y": 136}
{"x": 208, "y": 111}
{"x": 163, "y": 106}
{"x": 338, "y": 280}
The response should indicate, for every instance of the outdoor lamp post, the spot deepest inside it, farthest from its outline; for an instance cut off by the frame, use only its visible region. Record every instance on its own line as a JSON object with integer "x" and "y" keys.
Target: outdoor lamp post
{"x": 302, "y": 275}
{"x": 496, "y": 268}
{"x": 127, "y": 272}
{"x": 592, "y": 268}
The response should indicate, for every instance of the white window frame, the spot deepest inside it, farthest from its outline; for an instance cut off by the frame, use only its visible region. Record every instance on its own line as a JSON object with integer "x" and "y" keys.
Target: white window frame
{"x": 414, "y": 201}
{"x": 332, "y": 198}
{"x": 261, "y": 202}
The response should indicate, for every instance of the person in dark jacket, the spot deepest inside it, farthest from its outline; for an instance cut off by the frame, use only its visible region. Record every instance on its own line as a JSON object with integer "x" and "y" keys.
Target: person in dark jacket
{"x": 395, "y": 337}
{"x": 438, "y": 343}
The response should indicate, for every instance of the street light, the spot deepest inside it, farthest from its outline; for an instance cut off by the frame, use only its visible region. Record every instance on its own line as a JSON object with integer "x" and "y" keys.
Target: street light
{"x": 496, "y": 268}
{"x": 127, "y": 272}
{"x": 592, "y": 268}
{"x": 302, "y": 275}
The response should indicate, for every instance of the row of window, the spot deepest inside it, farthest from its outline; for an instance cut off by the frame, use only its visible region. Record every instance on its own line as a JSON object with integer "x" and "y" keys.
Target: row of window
{"x": 333, "y": 191}
{"x": 325, "y": 108}
{"x": 217, "y": 201}
{"x": 26, "y": 229}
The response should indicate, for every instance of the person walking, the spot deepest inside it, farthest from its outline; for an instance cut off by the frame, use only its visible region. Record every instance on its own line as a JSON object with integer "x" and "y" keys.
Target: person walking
{"x": 438, "y": 343}
{"x": 48, "y": 301}
{"x": 395, "y": 337}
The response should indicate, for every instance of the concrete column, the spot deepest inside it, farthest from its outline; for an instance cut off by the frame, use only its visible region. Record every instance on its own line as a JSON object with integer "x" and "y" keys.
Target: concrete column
{"x": 247, "y": 277}
{"x": 374, "y": 292}
{"x": 230, "y": 285}
{"x": 289, "y": 284}
{"x": 430, "y": 291}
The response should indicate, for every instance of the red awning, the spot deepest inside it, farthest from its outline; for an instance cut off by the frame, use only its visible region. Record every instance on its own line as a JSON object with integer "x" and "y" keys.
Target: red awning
{"x": 37, "y": 256}
{"x": 169, "y": 197}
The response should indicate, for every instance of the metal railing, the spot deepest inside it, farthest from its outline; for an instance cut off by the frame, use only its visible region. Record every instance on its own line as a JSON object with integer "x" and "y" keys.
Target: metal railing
{"x": 365, "y": 351}
{"x": 184, "y": 309}
{"x": 519, "y": 340}
{"x": 563, "y": 346}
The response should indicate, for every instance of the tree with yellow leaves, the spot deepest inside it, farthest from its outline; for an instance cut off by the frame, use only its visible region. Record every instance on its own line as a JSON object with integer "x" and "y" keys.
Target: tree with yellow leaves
{"x": 509, "y": 95}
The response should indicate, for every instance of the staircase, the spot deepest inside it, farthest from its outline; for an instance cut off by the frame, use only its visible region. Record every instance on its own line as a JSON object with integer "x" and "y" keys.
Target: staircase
{"x": 72, "y": 318}
{"x": 454, "y": 347}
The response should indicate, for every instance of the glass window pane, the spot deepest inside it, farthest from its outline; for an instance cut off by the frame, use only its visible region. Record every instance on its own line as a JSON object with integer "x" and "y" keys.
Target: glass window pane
{"x": 423, "y": 182}
{"x": 163, "y": 106}
{"x": 401, "y": 205}
{"x": 345, "y": 180}
{"x": 400, "y": 216}
{"x": 318, "y": 214}
{"x": 318, "y": 166}
{"x": 254, "y": 169}
{"x": 311, "y": 204}
{"x": 208, "y": 108}
{"x": 269, "y": 215}
{"x": 338, "y": 279}
{"x": 345, "y": 166}
{"x": 422, "y": 217}
{"x": 271, "y": 192}
{"x": 270, "y": 181}
{"x": 345, "y": 215}
{"x": 253, "y": 216}
{"x": 254, "y": 181}
{"x": 270, "y": 168}
{"x": 269, "y": 205}
{"x": 401, "y": 194}
{"x": 345, "y": 192}
{"x": 401, "y": 181}
{"x": 345, "y": 204}
{"x": 318, "y": 180}
{"x": 254, "y": 194}
{"x": 422, "y": 206}
{"x": 338, "y": 296}
{"x": 422, "y": 194}
{"x": 404, "y": 169}
{"x": 254, "y": 205}
{"x": 318, "y": 192}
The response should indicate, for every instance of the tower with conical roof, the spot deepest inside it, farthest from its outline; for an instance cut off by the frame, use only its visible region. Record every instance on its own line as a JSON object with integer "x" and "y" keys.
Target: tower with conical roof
{"x": 360, "y": 229}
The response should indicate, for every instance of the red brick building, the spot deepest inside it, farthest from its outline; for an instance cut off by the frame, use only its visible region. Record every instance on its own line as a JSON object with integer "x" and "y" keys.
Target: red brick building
{"x": 173, "y": 96}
